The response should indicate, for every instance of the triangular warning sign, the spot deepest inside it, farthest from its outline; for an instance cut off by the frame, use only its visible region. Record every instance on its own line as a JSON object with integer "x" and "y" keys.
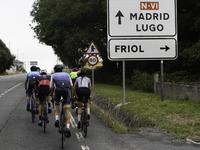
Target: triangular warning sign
{"x": 92, "y": 49}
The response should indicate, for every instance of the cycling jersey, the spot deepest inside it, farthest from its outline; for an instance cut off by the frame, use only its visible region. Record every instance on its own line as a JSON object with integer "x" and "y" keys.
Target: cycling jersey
{"x": 43, "y": 83}
{"x": 62, "y": 82}
{"x": 31, "y": 78}
{"x": 83, "y": 84}
{"x": 73, "y": 75}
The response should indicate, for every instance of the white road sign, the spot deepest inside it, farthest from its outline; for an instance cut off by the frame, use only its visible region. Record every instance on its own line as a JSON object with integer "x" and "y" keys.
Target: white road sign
{"x": 143, "y": 49}
{"x": 142, "y": 29}
{"x": 141, "y": 18}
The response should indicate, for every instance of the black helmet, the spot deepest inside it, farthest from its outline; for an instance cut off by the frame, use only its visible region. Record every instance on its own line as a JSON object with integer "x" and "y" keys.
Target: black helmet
{"x": 34, "y": 68}
{"x": 83, "y": 72}
{"x": 58, "y": 68}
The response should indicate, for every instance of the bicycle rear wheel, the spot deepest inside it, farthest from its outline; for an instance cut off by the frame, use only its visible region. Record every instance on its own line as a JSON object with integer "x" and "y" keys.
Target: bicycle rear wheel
{"x": 62, "y": 126}
{"x": 32, "y": 111}
{"x": 45, "y": 117}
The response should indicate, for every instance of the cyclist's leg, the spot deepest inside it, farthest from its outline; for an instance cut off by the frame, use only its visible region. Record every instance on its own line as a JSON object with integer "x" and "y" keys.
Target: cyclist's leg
{"x": 49, "y": 103}
{"x": 56, "y": 109}
{"x": 66, "y": 96}
{"x": 87, "y": 95}
{"x": 41, "y": 103}
{"x": 28, "y": 97}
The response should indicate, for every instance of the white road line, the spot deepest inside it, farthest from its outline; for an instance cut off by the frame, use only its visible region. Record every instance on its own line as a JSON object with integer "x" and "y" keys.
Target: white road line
{"x": 85, "y": 147}
{"x": 73, "y": 122}
{"x": 10, "y": 89}
{"x": 79, "y": 135}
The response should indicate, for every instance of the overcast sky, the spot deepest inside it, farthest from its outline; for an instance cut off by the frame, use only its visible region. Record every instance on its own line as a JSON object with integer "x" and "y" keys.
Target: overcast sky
{"x": 16, "y": 33}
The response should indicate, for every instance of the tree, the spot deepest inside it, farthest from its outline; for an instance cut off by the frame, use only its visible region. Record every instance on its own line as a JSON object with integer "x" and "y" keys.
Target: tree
{"x": 6, "y": 59}
{"x": 69, "y": 26}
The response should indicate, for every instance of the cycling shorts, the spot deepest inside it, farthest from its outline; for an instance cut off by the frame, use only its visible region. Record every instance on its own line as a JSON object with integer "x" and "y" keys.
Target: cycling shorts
{"x": 42, "y": 96}
{"x": 83, "y": 92}
{"x": 64, "y": 92}
{"x": 29, "y": 92}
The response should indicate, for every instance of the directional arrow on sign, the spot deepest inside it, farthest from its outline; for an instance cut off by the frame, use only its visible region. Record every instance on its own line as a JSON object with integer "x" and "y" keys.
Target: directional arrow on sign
{"x": 119, "y": 14}
{"x": 166, "y": 48}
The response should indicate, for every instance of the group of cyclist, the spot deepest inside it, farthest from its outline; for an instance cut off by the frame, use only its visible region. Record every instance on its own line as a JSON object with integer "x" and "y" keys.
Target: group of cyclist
{"x": 58, "y": 85}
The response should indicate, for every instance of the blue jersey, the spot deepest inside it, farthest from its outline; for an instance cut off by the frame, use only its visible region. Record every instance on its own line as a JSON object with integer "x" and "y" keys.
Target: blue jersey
{"x": 31, "y": 74}
{"x": 61, "y": 80}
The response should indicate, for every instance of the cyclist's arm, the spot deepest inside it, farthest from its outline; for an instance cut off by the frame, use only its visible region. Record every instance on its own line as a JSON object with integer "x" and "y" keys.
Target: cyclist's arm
{"x": 52, "y": 92}
{"x": 25, "y": 85}
{"x": 90, "y": 90}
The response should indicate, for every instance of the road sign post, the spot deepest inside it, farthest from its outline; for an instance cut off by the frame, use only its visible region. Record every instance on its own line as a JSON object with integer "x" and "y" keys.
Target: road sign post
{"x": 92, "y": 59}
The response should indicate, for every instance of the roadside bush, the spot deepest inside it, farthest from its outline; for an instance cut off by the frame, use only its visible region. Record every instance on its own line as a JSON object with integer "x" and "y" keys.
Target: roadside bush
{"x": 142, "y": 81}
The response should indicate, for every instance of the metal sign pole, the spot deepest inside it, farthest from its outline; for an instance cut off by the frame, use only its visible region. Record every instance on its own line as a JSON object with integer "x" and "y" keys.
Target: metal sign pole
{"x": 162, "y": 99}
{"x": 123, "y": 82}
{"x": 92, "y": 76}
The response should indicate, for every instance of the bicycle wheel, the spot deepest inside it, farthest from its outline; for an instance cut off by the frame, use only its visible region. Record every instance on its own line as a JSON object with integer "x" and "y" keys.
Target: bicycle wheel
{"x": 85, "y": 124}
{"x": 45, "y": 117}
{"x": 62, "y": 125}
{"x": 32, "y": 111}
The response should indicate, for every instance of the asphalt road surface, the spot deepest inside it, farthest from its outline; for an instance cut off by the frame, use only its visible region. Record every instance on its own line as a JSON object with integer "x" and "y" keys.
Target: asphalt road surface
{"x": 17, "y": 132}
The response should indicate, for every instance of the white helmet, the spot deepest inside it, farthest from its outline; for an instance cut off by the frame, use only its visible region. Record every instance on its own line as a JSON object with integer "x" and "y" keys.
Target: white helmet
{"x": 43, "y": 71}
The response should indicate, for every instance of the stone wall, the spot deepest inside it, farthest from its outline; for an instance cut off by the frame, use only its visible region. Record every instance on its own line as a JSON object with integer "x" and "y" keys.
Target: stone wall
{"x": 189, "y": 91}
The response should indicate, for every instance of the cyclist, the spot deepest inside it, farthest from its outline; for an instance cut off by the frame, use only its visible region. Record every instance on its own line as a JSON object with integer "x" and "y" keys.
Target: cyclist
{"x": 73, "y": 76}
{"x": 30, "y": 81}
{"x": 42, "y": 88}
{"x": 83, "y": 85}
{"x": 62, "y": 83}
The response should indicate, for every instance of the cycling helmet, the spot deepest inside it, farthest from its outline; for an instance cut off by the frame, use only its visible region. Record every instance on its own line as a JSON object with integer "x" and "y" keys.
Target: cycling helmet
{"x": 83, "y": 72}
{"x": 34, "y": 68}
{"x": 74, "y": 69}
{"x": 44, "y": 71}
{"x": 58, "y": 68}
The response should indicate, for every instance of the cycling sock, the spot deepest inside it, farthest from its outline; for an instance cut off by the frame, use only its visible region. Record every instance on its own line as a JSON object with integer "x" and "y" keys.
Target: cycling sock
{"x": 88, "y": 111}
{"x": 37, "y": 105}
{"x": 57, "y": 116}
{"x": 79, "y": 117}
{"x": 68, "y": 124}
{"x": 49, "y": 104}
{"x": 40, "y": 117}
{"x": 28, "y": 101}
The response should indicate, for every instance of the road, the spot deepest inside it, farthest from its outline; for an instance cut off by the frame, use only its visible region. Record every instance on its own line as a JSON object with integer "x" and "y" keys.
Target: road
{"x": 17, "y": 132}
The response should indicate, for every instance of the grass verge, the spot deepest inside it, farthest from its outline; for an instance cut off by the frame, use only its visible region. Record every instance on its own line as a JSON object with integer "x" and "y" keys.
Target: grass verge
{"x": 181, "y": 118}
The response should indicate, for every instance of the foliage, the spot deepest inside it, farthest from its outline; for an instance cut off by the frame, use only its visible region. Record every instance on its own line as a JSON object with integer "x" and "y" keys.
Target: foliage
{"x": 6, "y": 59}
{"x": 69, "y": 26}
{"x": 178, "y": 117}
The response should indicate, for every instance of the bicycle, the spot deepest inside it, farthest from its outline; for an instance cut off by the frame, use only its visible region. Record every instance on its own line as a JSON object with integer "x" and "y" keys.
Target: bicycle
{"x": 62, "y": 124}
{"x": 84, "y": 119}
{"x": 32, "y": 106}
{"x": 44, "y": 115}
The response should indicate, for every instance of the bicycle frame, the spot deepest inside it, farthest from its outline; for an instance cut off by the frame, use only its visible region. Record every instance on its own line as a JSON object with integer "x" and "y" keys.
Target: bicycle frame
{"x": 44, "y": 114}
{"x": 32, "y": 106}
{"x": 84, "y": 120}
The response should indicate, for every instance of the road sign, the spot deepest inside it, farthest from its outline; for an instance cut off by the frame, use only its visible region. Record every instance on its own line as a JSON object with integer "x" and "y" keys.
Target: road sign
{"x": 92, "y": 60}
{"x": 136, "y": 18}
{"x": 92, "y": 49}
{"x": 137, "y": 49}
{"x": 142, "y": 29}
{"x": 33, "y": 62}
